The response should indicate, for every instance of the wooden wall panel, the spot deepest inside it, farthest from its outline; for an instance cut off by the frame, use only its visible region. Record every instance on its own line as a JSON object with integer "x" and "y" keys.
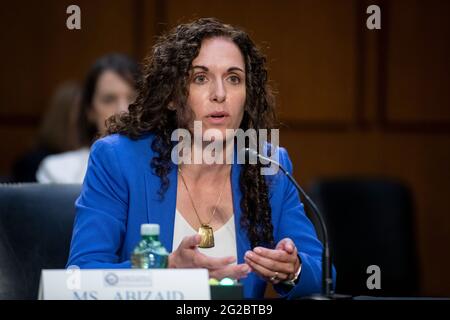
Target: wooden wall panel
{"x": 418, "y": 160}
{"x": 311, "y": 47}
{"x": 42, "y": 52}
{"x": 149, "y": 21}
{"x": 39, "y": 53}
{"x": 15, "y": 140}
{"x": 418, "y": 64}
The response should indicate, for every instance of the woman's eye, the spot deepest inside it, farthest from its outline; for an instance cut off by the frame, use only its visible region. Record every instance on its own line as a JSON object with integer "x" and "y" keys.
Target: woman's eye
{"x": 234, "y": 79}
{"x": 200, "y": 79}
{"x": 108, "y": 99}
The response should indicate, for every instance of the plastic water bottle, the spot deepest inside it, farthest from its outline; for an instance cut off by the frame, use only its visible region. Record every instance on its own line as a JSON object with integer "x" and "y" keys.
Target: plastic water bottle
{"x": 149, "y": 252}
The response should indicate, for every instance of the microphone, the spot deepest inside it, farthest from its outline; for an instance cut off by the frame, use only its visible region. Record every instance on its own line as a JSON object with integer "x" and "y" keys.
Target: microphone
{"x": 327, "y": 280}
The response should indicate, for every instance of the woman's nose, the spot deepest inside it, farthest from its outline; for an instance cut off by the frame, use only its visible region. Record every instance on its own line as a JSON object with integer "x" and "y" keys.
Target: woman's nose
{"x": 218, "y": 93}
{"x": 122, "y": 105}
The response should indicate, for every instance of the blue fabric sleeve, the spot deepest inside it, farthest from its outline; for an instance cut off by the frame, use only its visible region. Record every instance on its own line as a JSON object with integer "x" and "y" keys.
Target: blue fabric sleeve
{"x": 101, "y": 212}
{"x": 294, "y": 224}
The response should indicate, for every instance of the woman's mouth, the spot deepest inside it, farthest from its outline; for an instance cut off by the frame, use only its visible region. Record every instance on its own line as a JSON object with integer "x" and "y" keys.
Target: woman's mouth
{"x": 217, "y": 117}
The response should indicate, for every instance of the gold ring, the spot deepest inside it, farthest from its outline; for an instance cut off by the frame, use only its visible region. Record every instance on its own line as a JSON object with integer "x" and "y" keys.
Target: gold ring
{"x": 274, "y": 277}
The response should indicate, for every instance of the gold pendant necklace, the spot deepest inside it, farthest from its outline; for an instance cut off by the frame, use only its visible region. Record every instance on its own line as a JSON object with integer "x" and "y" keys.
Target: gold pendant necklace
{"x": 205, "y": 230}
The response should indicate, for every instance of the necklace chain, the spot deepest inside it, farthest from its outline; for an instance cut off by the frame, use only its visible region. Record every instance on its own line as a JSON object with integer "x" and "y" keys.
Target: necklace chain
{"x": 192, "y": 201}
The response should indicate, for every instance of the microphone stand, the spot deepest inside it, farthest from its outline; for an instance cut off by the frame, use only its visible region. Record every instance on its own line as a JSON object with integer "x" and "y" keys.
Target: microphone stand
{"x": 327, "y": 280}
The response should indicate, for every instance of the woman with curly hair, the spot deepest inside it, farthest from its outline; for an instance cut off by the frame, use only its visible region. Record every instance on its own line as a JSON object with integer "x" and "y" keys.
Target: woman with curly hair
{"x": 250, "y": 227}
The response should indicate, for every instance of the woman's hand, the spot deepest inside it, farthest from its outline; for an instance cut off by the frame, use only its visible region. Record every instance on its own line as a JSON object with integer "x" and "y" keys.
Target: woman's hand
{"x": 276, "y": 265}
{"x": 187, "y": 255}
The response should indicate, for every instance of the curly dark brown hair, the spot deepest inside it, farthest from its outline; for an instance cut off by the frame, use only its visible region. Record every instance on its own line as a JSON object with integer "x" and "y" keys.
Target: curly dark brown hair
{"x": 165, "y": 81}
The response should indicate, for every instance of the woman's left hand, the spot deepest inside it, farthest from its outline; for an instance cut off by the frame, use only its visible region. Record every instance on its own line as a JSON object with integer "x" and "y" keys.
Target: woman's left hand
{"x": 276, "y": 265}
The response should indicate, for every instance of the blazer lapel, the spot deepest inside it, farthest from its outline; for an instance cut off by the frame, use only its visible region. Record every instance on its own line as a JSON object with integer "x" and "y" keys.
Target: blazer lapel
{"x": 162, "y": 211}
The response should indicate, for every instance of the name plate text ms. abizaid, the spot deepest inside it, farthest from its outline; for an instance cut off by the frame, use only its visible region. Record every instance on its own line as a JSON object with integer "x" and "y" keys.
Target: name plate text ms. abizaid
{"x": 125, "y": 284}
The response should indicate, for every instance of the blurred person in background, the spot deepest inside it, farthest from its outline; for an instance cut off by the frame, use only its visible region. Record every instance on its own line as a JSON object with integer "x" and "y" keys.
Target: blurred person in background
{"x": 109, "y": 88}
{"x": 57, "y": 132}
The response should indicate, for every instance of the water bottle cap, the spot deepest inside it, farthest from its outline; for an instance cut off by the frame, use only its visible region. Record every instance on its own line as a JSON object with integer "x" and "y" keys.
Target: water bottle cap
{"x": 149, "y": 229}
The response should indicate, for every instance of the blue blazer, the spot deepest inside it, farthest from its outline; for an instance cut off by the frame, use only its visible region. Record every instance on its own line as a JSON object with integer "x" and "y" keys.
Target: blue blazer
{"x": 120, "y": 192}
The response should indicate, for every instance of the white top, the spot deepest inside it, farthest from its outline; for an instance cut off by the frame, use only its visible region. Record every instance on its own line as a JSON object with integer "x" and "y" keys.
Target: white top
{"x": 224, "y": 238}
{"x": 67, "y": 167}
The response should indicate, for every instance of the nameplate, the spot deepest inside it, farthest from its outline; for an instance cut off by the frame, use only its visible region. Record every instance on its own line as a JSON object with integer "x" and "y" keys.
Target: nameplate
{"x": 124, "y": 284}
